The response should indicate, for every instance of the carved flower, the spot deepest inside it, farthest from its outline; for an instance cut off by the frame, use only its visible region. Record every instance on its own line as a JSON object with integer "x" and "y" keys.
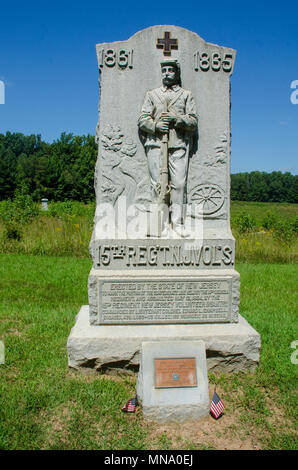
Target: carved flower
{"x": 112, "y": 138}
{"x": 221, "y": 149}
{"x": 128, "y": 148}
{"x": 220, "y": 155}
{"x": 108, "y": 188}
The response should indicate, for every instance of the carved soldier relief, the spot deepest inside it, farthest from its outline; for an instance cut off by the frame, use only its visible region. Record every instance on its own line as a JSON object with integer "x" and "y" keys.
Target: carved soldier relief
{"x": 164, "y": 135}
{"x": 168, "y": 121}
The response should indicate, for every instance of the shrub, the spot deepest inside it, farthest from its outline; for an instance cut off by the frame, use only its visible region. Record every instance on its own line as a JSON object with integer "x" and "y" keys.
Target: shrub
{"x": 286, "y": 231}
{"x": 13, "y": 231}
{"x": 60, "y": 209}
{"x": 6, "y": 211}
{"x": 245, "y": 223}
{"x": 25, "y": 208}
{"x": 71, "y": 209}
{"x": 17, "y": 212}
{"x": 295, "y": 224}
{"x": 269, "y": 221}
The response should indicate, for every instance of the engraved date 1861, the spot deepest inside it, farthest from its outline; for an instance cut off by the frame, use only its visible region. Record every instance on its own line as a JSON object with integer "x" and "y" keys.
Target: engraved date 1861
{"x": 110, "y": 58}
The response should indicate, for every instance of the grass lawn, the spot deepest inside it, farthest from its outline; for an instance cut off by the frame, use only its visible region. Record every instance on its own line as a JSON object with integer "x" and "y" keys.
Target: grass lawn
{"x": 65, "y": 230}
{"x": 281, "y": 210}
{"x": 44, "y": 405}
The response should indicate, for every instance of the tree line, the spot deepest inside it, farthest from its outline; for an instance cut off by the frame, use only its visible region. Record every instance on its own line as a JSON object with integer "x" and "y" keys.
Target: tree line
{"x": 64, "y": 170}
{"x": 60, "y": 171}
{"x": 264, "y": 187}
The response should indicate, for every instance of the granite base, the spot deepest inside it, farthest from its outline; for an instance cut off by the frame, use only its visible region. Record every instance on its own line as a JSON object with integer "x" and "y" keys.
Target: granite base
{"x": 230, "y": 347}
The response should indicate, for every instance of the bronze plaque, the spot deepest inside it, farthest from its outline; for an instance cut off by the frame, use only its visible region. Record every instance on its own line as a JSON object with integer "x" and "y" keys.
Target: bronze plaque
{"x": 175, "y": 372}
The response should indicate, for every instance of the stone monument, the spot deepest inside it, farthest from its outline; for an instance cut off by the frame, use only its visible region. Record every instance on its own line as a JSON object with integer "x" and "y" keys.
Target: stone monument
{"x": 162, "y": 249}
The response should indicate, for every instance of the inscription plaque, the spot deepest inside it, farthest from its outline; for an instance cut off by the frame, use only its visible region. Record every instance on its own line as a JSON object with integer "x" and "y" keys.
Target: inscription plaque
{"x": 171, "y": 255}
{"x": 175, "y": 372}
{"x": 174, "y": 301}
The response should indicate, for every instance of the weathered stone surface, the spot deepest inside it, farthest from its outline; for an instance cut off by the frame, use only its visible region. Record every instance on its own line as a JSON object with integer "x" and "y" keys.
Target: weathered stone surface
{"x": 128, "y": 69}
{"x": 133, "y": 94}
{"x": 163, "y": 296}
{"x": 158, "y": 274}
{"x": 230, "y": 347}
{"x": 173, "y": 404}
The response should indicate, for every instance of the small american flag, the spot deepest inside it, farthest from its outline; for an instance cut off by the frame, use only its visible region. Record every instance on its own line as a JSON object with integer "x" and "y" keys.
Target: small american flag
{"x": 130, "y": 406}
{"x": 217, "y": 406}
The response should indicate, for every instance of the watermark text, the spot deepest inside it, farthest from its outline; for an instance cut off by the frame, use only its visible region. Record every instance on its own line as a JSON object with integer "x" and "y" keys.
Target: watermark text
{"x": 294, "y": 94}
{"x": 2, "y": 353}
{"x": 294, "y": 355}
{"x": 2, "y": 92}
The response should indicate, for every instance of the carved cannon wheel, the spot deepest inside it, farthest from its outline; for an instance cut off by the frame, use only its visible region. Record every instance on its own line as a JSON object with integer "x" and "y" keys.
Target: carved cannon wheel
{"x": 209, "y": 196}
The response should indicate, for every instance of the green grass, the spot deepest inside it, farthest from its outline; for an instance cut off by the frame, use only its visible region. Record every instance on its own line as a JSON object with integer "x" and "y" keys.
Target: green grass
{"x": 282, "y": 210}
{"x": 66, "y": 231}
{"x": 44, "y": 405}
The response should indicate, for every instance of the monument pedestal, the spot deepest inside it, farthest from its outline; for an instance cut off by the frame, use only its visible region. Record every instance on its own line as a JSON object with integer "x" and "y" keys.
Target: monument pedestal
{"x": 144, "y": 296}
{"x": 230, "y": 347}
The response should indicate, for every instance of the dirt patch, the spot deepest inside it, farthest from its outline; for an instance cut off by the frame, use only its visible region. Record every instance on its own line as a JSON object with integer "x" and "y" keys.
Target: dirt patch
{"x": 226, "y": 432}
{"x": 56, "y": 427}
{"x": 208, "y": 433}
{"x": 237, "y": 429}
{"x": 14, "y": 331}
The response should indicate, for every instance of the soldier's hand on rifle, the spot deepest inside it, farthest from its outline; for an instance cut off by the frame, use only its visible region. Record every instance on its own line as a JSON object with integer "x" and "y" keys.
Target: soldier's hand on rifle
{"x": 168, "y": 117}
{"x": 162, "y": 126}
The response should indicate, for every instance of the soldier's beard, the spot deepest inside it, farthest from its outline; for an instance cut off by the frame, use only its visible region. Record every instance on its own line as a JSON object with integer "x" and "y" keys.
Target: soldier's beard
{"x": 169, "y": 81}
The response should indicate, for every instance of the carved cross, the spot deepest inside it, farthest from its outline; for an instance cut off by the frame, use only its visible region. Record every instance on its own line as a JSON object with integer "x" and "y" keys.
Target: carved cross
{"x": 167, "y": 43}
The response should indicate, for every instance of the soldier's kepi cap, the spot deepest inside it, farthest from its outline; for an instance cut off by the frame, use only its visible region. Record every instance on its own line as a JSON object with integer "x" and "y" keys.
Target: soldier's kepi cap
{"x": 173, "y": 62}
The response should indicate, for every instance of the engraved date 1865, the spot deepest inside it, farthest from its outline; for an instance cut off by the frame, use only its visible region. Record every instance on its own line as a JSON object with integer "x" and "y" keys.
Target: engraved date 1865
{"x": 213, "y": 61}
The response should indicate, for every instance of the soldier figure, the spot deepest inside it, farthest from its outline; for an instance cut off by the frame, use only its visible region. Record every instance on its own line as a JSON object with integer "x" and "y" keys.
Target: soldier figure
{"x": 169, "y": 115}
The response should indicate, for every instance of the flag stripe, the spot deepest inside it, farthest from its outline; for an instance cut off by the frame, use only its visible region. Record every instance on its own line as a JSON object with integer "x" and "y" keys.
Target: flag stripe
{"x": 216, "y": 406}
{"x": 217, "y": 410}
{"x": 219, "y": 406}
{"x": 130, "y": 406}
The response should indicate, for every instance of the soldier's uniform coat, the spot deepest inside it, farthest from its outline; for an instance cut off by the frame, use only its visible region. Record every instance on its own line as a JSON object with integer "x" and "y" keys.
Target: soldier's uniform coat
{"x": 180, "y": 102}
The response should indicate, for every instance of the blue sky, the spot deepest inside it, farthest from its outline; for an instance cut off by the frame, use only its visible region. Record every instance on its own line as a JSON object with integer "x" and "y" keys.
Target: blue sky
{"x": 48, "y": 64}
